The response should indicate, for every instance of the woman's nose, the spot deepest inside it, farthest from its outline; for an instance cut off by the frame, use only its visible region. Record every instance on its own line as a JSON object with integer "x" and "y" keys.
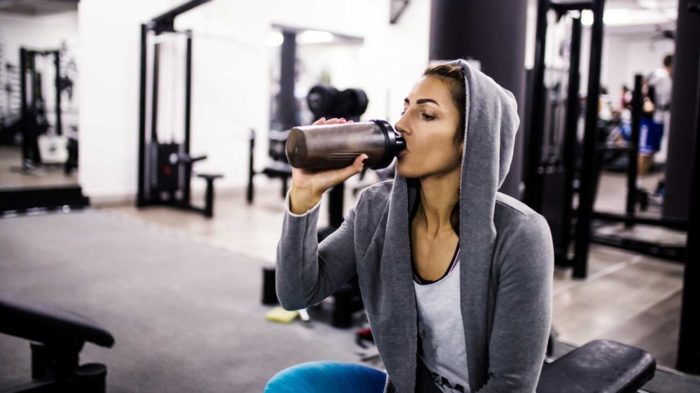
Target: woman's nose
{"x": 400, "y": 126}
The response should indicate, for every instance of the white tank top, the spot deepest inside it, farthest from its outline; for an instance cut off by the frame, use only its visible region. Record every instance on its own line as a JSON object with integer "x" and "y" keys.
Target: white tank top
{"x": 441, "y": 330}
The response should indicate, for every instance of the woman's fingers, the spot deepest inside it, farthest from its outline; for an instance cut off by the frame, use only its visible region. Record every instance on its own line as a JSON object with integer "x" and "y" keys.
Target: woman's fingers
{"x": 333, "y": 120}
{"x": 340, "y": 175}
{"x": 323, "y": 180}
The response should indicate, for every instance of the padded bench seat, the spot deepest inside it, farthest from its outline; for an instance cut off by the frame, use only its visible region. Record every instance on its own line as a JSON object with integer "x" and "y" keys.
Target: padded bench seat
{"x": 600, "y": 366}
{"x": 46, "y": 324}
{"x": 56, "y": 338}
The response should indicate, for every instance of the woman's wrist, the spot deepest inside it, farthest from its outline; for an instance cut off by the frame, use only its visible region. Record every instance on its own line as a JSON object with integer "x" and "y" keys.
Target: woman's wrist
{"x": 302, "y": 200}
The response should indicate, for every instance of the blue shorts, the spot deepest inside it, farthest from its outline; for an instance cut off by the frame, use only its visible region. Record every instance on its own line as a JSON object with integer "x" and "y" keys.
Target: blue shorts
{"x": 650, "y": 134}
{"x": 327, "y": 377}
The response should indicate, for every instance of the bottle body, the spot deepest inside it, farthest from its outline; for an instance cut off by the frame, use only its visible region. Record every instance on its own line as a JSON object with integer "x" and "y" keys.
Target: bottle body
{"x": 332, "y": 146}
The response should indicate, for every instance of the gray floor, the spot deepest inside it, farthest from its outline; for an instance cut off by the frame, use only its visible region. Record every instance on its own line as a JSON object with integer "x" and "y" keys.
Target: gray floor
{"x": 186, "y": 316}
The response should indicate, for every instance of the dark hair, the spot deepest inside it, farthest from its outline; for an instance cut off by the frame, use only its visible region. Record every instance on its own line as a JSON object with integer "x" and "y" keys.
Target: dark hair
{"x": 668, "y": 60}
{"x": 453, "y": 76}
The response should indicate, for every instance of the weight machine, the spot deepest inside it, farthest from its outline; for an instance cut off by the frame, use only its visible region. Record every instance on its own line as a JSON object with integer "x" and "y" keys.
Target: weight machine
{"x": 33, "y": 120}
{"x": 551, "y": 165}
{"x": 165, "y": 168}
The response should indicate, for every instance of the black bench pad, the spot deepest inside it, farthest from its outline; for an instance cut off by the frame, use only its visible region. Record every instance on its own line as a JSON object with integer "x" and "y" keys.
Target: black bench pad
{"x": 47, "y": 324}
{"x": 600, "y": 366}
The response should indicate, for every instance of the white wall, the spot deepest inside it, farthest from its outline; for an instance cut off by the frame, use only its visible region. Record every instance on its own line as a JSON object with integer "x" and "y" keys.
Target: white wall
{"x": 630, "y": 54}
{"x": 231, "y": 78}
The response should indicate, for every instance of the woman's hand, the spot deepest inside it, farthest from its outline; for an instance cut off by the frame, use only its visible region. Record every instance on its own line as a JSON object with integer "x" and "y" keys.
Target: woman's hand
{"x": 308, "y": 186}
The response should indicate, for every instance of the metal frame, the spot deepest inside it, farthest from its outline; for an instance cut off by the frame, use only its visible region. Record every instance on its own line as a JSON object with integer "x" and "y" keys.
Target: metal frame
{"x": 398, "y": 7}
{"x": 28, "y": 70}
{"x": 587, "y": 176}
{"x": 583, "y": 218}
{"x": 534, "y": 171}
{"x": 689, "y": 340}
{"x": 147, "y": 193}
{"x": 654, "y": 249}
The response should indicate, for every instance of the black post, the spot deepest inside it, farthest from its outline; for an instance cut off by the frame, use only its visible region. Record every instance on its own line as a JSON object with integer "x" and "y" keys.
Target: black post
{"x": 572, "y": 114}
{"x": 154, "y": 95}
{"x": 287, "y": 112}
{"x": 637, "y": 102}
{"x": 209, "y": 198}
{"x": 533, "y": 180}
{"x": 140, "y": 193}
{"x": 251, "y": 169}
{"x": 23, "y": 65}
{"x": 586, "y": 182}
{"x": 685, "y": 66}
{"x": 335, "y": 205}
{"x": 689, "y": 340}
{"x": 57, "y": 83}
{"x": 188, "y": 103}
{"x": 23, "y": 81}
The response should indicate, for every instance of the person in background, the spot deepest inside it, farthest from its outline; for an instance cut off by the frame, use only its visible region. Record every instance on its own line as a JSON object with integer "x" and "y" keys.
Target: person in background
{"x": 652, "y": 132}
{"x": 656, "y": 110}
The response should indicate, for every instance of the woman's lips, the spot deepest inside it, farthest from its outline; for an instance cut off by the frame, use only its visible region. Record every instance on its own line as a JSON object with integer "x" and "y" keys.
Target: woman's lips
{"x": 403, "y": 153}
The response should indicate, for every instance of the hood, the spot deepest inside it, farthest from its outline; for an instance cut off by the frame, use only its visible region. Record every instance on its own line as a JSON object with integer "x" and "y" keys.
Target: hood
{"x": 491, "y": 121}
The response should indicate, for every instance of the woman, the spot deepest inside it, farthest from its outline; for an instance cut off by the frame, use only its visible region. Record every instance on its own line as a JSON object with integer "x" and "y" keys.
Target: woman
{"x": 455, "y": 277}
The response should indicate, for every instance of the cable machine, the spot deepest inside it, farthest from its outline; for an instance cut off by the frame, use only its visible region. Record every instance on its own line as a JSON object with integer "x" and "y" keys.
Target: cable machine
{"x": 165, "y": 168}
{"x": 33, "y": 121}
{"x": 551, "y": 165}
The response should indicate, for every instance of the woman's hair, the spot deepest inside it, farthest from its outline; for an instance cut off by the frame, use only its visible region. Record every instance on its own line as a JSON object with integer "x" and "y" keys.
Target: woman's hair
{"x": 453, "y": 76}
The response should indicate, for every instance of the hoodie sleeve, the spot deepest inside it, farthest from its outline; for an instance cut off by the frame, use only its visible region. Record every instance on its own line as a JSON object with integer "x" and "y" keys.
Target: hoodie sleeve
{"x": 308, "y": 272}
{"x": 523, "y": 310}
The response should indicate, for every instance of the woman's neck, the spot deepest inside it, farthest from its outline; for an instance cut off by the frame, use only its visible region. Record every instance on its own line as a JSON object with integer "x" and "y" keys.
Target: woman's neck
{"x": 439, "y": 194}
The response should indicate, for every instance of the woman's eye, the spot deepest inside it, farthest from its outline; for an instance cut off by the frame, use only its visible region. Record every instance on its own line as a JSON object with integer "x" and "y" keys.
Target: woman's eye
{"x": 426, "y": 116}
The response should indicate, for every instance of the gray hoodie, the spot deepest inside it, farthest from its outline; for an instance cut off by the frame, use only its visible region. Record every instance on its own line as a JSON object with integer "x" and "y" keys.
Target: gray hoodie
{"x": 506, "y": 260}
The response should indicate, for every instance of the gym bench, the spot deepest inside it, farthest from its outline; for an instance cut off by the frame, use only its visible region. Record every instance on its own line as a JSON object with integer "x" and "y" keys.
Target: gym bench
{"x": 601, "y": 366}
{"x": 57, "y": 336}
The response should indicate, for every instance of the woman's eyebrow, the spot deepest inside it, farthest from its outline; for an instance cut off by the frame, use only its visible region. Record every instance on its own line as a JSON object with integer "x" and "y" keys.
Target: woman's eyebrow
{"x": 426, "y": 100}
{"x": 421, "y": 101}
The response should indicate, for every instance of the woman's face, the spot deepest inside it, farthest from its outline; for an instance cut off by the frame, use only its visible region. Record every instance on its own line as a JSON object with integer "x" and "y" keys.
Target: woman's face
{"x": 429, "y": 125}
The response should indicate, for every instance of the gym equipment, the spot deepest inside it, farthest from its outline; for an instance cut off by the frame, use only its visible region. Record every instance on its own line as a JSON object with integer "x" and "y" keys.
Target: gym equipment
{"x": 33, "y": 122}
{"x": 551, "y": 166}
{"x": 277, "y": 167}
{"x": 688, "y": 340}
{"x": 57, "y": 336}
{"x": 334, "y": 146}
{"x": 327, "y": 101}
{"x": 165, "y": 169}
{"x": 599, "y": 366}
{"x": 10, "y": 106}
{"x": 634, "y": 197}
{"x": 323, "y": 101}
{"x": 14, "y": 201}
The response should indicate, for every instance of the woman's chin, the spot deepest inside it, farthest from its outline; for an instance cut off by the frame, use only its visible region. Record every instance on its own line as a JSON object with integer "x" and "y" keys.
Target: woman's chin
{"x": 405, "y": 171}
